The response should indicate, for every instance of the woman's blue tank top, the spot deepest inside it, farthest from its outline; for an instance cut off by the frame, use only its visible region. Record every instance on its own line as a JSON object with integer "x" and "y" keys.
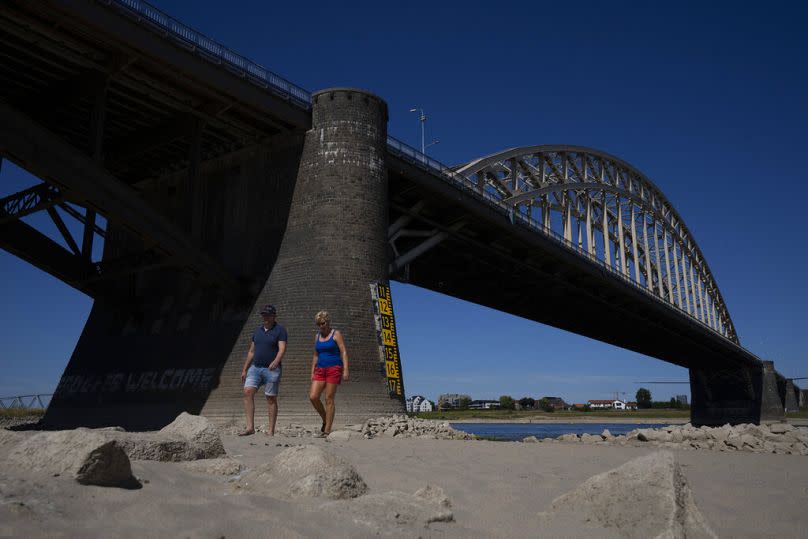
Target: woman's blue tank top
{"x": 327, "y": 352}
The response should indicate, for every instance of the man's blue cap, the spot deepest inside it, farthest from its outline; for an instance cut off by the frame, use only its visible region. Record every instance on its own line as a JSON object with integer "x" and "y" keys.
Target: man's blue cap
{"x": 268, "y": 309}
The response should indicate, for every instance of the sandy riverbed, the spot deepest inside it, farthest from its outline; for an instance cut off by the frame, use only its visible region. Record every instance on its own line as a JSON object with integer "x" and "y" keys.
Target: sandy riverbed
{"x": 497, "y": 489}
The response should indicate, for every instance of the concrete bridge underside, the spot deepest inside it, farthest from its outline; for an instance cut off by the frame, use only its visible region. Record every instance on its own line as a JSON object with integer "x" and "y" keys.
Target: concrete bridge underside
{"x": 220, "y": 195}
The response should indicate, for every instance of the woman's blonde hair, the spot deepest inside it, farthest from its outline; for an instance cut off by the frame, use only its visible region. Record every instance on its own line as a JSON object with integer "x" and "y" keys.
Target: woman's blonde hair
{"x": 322, "y": 317}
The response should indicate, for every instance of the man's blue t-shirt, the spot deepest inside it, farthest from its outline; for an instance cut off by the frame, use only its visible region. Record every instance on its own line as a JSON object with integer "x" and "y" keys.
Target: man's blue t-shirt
{"x": 266, "y": 344}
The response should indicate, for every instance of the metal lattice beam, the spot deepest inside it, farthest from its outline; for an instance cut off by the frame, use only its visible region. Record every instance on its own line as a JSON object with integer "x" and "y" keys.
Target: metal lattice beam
{"x": 22, "y": 140}
{"x": 610, "y": 210}
{"x": 28, "y": 201}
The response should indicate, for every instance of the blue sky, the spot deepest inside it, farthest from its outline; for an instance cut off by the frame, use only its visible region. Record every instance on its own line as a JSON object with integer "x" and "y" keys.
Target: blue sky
{"x": 708, "y": 99}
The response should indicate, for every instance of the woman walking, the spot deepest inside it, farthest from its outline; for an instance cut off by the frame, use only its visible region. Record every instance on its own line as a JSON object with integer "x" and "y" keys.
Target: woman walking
{"x": 329, "y": 368}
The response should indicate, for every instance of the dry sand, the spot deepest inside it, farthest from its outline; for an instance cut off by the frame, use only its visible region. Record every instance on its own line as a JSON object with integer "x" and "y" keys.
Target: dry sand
{"x": 496, "y": 489}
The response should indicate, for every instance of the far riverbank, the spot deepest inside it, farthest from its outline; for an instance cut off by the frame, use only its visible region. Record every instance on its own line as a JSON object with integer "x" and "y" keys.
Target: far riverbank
{"x": 669, "y": 417}
{"x": 638, "y": 420}
{"x": 530, "y": 416}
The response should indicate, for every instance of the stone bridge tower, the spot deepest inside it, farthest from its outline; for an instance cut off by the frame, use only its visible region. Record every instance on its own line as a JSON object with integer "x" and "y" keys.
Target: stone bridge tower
{"x": 333, "y": 248}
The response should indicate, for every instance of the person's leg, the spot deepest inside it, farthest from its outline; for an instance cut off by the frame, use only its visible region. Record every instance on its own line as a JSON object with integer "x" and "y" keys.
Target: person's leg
{"x": 271, "y": 392}
{"x": 272, "y": 405}
{"x": 315, "y": 391}
{"x": 330, "y": 391}
{"x": 249, "y": 409}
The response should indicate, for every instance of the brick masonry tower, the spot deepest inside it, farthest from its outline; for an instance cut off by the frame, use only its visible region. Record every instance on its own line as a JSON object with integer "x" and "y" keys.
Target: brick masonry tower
{"x": 334, "y": 246}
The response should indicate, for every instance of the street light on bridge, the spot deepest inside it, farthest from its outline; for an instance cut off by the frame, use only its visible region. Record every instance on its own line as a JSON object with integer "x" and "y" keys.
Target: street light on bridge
{"x": 422, "y": 119}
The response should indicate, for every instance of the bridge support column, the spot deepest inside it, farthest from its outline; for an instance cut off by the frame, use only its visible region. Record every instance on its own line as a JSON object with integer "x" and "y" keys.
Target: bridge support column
{"x": 732, "y": 394}
{"x": 791, "y": 403}
{"x": 334, "y": 246}
{"x": 158, "y": 336}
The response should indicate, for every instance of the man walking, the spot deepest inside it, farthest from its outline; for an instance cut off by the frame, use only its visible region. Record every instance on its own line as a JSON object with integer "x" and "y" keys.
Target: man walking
{"x": 263, "y": 368}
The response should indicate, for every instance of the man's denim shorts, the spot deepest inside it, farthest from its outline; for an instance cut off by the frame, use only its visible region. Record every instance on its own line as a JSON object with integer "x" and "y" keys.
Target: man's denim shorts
{"x": 259, "y": 376}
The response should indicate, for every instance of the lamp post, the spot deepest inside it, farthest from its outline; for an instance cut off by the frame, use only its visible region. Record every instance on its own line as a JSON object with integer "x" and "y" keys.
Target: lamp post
{"x": 422, "y": 119}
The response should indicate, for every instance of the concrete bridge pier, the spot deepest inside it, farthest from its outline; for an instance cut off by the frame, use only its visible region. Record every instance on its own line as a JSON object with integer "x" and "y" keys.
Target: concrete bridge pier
{"x": 733, "y": 394}
{"x": 156, "y": 339}
{"x": 791, "y": 402}
{"x": 334, "y": 246}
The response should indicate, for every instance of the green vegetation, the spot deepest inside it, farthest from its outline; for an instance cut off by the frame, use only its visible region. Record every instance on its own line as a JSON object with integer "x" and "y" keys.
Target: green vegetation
{"x": 463, "y": 403}
{"x": 559, "y": 414}
{"x": 643, "y": 398}
{"x": 545, "y": 405}
{"x": 527, "y": 402}
{"x": 507, "y": 403}
{"x": 802, "y": 414}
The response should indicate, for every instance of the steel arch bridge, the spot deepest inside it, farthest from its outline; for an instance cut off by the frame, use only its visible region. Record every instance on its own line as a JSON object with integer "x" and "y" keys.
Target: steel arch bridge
{"x": 612, "y": 214}
{"x": 128, "y": 114}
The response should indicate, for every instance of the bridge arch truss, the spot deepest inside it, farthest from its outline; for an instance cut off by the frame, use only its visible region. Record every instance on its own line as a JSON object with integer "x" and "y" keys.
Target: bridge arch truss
{"x": 610, "y": 212}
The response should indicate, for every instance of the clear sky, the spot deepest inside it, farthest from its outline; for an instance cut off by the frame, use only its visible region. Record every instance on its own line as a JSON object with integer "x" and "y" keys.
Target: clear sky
{"x": 708, "y": 99}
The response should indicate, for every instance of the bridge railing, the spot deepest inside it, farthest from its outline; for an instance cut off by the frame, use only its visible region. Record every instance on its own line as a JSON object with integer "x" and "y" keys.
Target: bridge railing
{"x": 25, "y": 402}
{"x": 213, "y": 50}
{"x": 446, "y": 173}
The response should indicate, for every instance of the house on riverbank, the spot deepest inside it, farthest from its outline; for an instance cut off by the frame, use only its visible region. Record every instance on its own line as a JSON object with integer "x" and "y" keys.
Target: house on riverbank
{"x": 419, "y": 403}
{"x": 611, "y": 405}
{"x": 483, "y": 405}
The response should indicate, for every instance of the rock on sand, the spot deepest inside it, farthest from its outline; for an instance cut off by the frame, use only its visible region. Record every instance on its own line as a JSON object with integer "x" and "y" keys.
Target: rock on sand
{"x": 87, "y": 456}
{"x": 198, "y": 430}
{"x": 306, "y": 470}
{"x": 646, "y": 497}
{"x": 188, "y": 437}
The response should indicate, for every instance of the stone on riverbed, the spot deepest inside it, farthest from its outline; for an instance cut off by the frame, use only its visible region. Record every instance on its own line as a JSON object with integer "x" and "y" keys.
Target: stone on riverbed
{"x": 306, "y": 471}
{"x": 401, "y": 426}
{"x": 646, "y": 497}
{"x": 784, "y": 439}
{"x": 87, "y": 456}
{"x": 188, "y": 437}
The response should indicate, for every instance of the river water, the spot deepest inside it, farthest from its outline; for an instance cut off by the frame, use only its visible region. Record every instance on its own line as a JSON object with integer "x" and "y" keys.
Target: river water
{"x": 517, "y": 431}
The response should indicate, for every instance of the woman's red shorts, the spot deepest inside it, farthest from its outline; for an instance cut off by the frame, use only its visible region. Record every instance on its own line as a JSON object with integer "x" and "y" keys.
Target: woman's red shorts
{"x": 329, "y": 375}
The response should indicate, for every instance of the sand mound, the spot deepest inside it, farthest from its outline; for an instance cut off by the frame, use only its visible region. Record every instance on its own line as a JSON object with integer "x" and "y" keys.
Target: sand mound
{"x": 188, "y": 437}
{"x": 220, "y": 466}
{"x": 8, "y": 437}
{"x": 646, "y": 497}
{"x": 392, "y": 512}
{"x": 87, "y": 456}
{"x": 306, "y": 471}
{"x": 198, "y": 430}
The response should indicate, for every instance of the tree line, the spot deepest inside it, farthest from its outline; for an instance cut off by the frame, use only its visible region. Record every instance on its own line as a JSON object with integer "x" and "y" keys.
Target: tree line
{"x": 506, "y": 402}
